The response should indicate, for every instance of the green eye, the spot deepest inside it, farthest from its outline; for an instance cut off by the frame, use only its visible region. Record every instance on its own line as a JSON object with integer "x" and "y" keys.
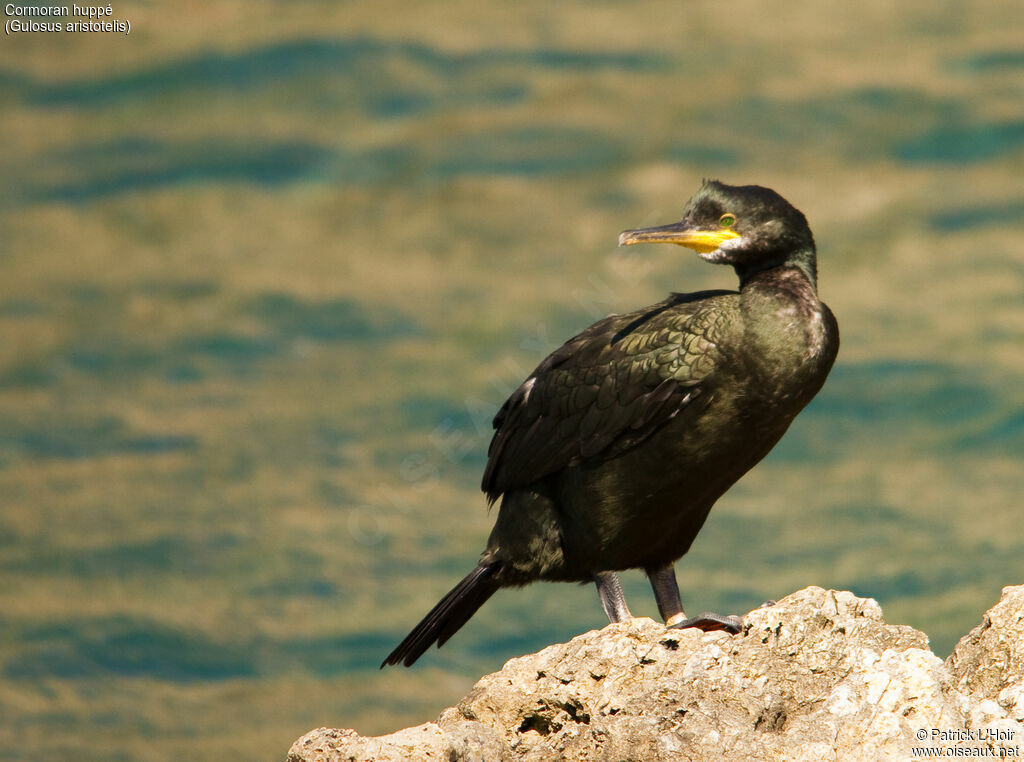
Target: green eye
{"x": 727, "y": 220}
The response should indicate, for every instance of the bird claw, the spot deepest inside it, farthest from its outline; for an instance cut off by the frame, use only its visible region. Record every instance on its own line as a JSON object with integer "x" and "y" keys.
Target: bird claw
{"x": 709, "y": 622}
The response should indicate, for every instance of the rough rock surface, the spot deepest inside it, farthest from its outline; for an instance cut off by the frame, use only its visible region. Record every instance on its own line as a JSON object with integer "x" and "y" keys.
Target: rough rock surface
{"x": 988, "y": 662}
{"x": 817, "y": 676}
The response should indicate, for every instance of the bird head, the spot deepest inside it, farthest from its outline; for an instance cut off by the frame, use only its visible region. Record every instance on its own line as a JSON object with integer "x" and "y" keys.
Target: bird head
{"x": 746, "y": 226}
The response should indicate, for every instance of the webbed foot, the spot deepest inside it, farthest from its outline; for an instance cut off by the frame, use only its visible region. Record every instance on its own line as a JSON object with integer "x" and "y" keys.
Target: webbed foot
{"x": 709, "y": 622}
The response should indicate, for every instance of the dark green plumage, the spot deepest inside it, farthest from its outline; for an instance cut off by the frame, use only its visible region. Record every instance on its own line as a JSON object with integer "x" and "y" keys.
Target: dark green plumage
{"x": 610, "y": 455}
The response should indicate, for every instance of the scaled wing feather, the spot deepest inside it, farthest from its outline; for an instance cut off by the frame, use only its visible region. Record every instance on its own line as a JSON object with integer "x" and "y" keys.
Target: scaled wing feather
{"x": 604, "y": 391}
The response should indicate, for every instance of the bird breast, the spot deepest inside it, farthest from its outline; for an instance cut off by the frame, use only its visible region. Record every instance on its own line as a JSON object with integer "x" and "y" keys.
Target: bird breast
{"x": 804, "y": 325}
{"x": 788, "y": 340}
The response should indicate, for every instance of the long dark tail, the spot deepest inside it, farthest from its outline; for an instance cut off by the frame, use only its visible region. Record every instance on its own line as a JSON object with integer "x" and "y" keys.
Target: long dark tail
{"x": 445, "y": 619}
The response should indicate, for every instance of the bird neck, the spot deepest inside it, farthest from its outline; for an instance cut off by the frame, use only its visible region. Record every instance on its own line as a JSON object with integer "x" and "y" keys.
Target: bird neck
{"x": 804, "y": 261}
{"x": 786, "y": 329}
{"x": 785, "y": 291}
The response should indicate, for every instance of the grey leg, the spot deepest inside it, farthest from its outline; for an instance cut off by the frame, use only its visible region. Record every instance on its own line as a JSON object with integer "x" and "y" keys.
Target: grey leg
{"x": 612, "y": 600}
{"x": 666, "y": 593}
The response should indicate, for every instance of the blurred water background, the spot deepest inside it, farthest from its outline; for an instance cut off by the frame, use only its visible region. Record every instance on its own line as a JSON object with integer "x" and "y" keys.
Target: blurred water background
{"x": 267, "y": 270}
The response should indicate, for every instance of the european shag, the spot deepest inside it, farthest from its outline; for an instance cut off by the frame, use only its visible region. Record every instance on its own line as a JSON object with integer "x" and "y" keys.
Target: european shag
{"x": 611, "y": 454}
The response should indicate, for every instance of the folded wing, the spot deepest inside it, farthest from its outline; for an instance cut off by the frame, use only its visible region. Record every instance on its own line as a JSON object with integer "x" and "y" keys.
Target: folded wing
{"x": 606, "y": 390}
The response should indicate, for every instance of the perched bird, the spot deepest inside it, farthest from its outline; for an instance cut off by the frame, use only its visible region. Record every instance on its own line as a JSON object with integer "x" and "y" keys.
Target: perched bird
{"x": 611, "y": 454}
